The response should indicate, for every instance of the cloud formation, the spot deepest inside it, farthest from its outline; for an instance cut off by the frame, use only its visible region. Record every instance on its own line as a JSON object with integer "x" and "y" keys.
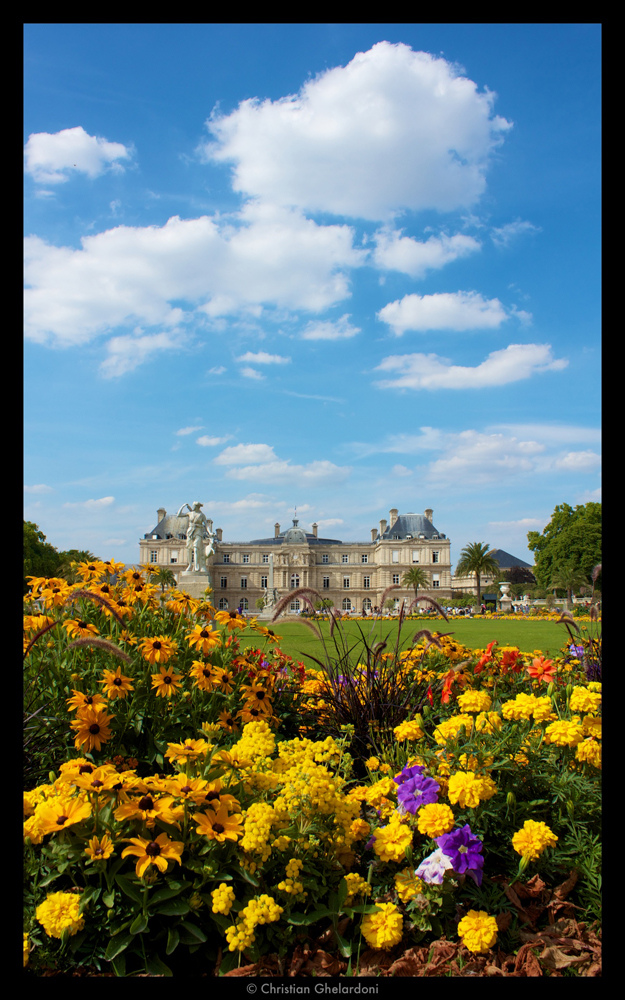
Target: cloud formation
{"x": 429, "y": 371}
{"x": 394, "y": 252}
{"x": 394, "y": 129}
{"x": 50, "y": 158}
{"x": 443, "y": 311}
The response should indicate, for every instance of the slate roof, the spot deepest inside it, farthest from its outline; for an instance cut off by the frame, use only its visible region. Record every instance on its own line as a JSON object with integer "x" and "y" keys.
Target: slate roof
{"x": 506, "y": 561}
{"x": 411, "y": 526}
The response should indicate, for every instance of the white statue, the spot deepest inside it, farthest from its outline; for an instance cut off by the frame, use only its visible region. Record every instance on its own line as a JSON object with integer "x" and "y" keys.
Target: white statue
{"x": 197, "y": 532}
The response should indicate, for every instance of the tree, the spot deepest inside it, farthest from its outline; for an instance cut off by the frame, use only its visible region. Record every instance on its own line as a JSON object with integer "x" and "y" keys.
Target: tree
{"x": 415, "y": 577}
{"x": 164, "y": 577}
{"x": 69, "y": 560}
{"x": 570, "y": 579}
{"x": 571, "y": 541}
{"x": 40, "y": 557}
{"x": 476, "y": 560}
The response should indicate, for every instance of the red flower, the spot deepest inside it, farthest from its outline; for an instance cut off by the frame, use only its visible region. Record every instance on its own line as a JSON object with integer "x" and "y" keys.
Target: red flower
{"x": 542, "y": 669}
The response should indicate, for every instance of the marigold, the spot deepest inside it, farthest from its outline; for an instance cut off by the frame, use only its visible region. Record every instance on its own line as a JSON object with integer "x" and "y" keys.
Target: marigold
{"x": 392, "y": 841}
{"x": 59, "y": 913}
{"x": 564, "y": 733}
{"x": 583, "y": 700}
{"x": 435, "y": 819}
{"x": 478, "y": 930}
{"x": 464, "y": 789}
{"x": 532, "y": 839}
{"x": 474, "y": 701}
{"x": 384, "y": 927}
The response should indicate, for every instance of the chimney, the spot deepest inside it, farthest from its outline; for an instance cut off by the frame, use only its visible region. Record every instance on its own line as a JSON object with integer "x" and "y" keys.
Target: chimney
{"x": 393, "y": 516}
{"x": 374, "y": 534}
{"x": 428, "y": 513}
{"x": 276, "y": 530}
{"x": 219, "y": 532}
{"x": 160, "y": 514}
{"x": 314, "y": 528}
{"x": 382, "y": 526}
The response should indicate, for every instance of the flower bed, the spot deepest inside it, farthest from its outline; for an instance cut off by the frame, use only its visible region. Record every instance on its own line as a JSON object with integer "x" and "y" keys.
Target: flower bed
{"x": 193, "y": 807}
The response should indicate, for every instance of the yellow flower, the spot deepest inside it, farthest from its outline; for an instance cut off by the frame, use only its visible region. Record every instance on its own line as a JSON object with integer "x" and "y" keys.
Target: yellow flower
{"x": 435, "y": 819}
{"x": 478, "y": 931}
{"x": 92, "y": 728}
{"x": 219, "y": 826}
{"x": 116, "y": 684}
{"x": 223, "y": 897}
{"x": 189, "y": 750}
{"x": 80, "y": 700}
{"x": 564, "y": 733}
{"x": 474, "y": 701}
{"x": 231, "y": 619}
{"x": 79, "y": 629}
{"x": 59, "y": 913}
{"x": 589, "y": 751}
{"x": 155, "y": 852}
{"x": 464, "y": 789}
{"x": 99, "y": 850}
{"x": 407, "y": 885}
{"x": 59, "y": 812}
{"x": 583, "y": 700}
{"x": 532, "y": 839}
{"x": 384, "y": 927}
{"x": 166, "y": 682}
{"x": 392, "y": 841}
{"x": 203, "y": 638}
{"x": 158, "y": 649}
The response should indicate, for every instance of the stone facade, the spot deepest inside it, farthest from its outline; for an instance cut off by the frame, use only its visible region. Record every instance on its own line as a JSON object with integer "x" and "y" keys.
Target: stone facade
{"x": 353, "y": 575}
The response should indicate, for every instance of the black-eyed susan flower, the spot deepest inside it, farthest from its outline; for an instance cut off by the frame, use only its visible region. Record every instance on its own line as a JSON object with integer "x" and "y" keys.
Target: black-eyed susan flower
{"x": 79, "y": 629}
{"x": 203, "y": 639}
{"x": 92, "y": 728}
{"x": 116, "y": 684}
{"x": 158, "y": 649}
{"x": 166, "y": 683}
{"x": 227, "y": 721}
{"x": 153, "y": 852}
{"x": 230, "y": 619}
{"x": 179, "y": 753}
{"x": 99, "y": 849}
{"x": 89, "y": 571}
{"x": 147, "y": 807}
{"x": 99, "y": 780}
{"x": 220, "y": 825}
{"x": 59, "y": 812}
{"x": 79, "y": 701}
{"x": 203, "y": 675}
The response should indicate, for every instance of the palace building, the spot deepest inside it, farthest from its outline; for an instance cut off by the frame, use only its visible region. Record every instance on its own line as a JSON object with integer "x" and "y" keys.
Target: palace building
{"x": 353, "y": 575}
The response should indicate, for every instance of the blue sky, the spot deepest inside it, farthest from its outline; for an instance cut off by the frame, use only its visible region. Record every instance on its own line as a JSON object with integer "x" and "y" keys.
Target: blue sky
{"x": 332, "y": 267}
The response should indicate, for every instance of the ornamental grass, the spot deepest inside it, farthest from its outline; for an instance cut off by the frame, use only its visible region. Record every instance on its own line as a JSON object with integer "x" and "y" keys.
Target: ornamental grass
{"x": 196, "y": 806}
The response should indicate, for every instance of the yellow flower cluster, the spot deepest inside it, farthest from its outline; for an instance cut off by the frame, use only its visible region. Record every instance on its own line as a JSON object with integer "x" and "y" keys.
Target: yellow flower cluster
{"x": 407, "y": 885}
{"x": 450, "y": 728}
{"x": 391, "y": 842}
{"x": 532, "y": 839}
{"x": 526, "y": 706}
{"x": 263, "y": 910}
{"x": 474, "y": 701}
{"x": 435, "y": 819}
{"x": 60, "y": 912}
{"x": 468, "y": 789}
{"x": 584, "y": 700}
{"x": 478, "y": 931}
{"x": 356, "y": 886}
{"x": 223, "y": 898}
{"x": 258, "y": 821}
{"x": 408, "y": 730}
{"x": 564, "y": 733}
{"x": 291, "y": 884}
{"x": 256, "y": 743}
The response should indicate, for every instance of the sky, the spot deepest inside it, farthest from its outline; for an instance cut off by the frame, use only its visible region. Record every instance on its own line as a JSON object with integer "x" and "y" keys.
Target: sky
{"x": 310, "y": 271}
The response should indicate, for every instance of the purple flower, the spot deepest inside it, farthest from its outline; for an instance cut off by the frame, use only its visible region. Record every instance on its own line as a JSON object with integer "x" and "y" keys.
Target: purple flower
{"x": 464, "y": 851}
{"x": 408, "y": 773}
{"x": 417, "y": 792}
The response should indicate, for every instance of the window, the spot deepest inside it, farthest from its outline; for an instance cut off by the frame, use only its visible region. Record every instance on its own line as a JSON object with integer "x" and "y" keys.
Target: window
{"x": 345, "y": 557}
{"x": 395, "y": 556}
{"x": 294, "y": 605}
{"x": 265, "y": 557}
{"x": 345, "y": 583}
{"x": 347, "y": 604}
{"x": 154, "y": 556}
{"x": 223, "y": 583}
{"x": 364, "y": 558}
{"x": 263, "y": 582}
{"x": 366, "y": 582}
{"x": 436, "y": 580}
{"x": 325, "y": 558}
{"x": 243, "y": 604}
{"x": 395, "y": 577}
{"x": 226, "y": 557}
{"x": 366, "y": 604}
{"x": 326, "y": 583}
{"x": 243, "y": 583}
{"x": 435, "y": 556}
{"x": 415, "y": 555}
{"x": 246, "y": 557}
{"x": 223, "y": 603}
{"x": 294, "y": 581}
{"x": 173, "y": 556}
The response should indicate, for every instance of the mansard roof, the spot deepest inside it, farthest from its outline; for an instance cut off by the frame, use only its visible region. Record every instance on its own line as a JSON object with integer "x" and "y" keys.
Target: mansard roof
{"x": 506, "y": 561}
{"x": 411, "y": 526}
{"x": 170, "y": 526}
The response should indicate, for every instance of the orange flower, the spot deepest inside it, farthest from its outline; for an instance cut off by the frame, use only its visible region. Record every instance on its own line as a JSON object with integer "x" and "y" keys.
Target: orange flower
{"x": 542, "y": 669}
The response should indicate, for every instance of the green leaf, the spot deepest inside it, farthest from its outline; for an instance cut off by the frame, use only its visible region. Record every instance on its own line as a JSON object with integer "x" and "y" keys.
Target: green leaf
{"x": 129, "y": 888}
{"x": 194, "y": 930}
{"x": 119, "y": 965}
{"x": 139, "y": 924}
{"x": 303, "y": 919}
{"x": 173, "y": 940}
{"x": 108, "y": 898}
{"x": 157, "y": 967}
{"x": 173, "y": 908}
{"x": 116, "y": 945}
{"x": 168, "y": 892}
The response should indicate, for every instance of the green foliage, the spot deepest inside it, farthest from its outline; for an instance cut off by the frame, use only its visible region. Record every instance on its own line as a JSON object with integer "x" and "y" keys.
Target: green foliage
{"x": 476, "y": 560}
{"x": 570, "y": 543}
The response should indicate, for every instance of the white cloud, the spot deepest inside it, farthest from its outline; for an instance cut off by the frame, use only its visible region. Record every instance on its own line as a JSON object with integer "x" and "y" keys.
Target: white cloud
{"x": 127, "y": 352}
{"x": 394, "y": 252}
{"x": 252, "y": 373}
{"x": 263, "y": 257}
{"x": 38, "y": 488}
{"x": 578, "y": 461}
{"x": 279, "y": 471}
{"x": 92, "y": 504}
{"x": 428, "y": 371}
{"x": 209, "y": 442}
{"x": 443, "y": 311}
{"x": 50, "y": 158}
{"x": 340, "y": 329}
{"x": 504, "y": 235}
{"x": 555, "y": 434}
{"x": 524, "y": 523}
{"x": 217, "y": 370}
{"x": 392, "y": 130}
{"x": 240, "y": 454}
{"x": 475, "y": 459}
{"x": 262, "y": 358}
{"x": 188, "y": 430}
{"x": 401, "y": 470}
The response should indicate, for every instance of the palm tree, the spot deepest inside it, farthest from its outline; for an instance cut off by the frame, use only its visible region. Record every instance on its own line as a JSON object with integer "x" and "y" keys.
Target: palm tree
{"x": 164, "y": 577}
{"x": 476, "y": 560}
{"x": 570, "y": 579}
{"x": 415, "y": 578}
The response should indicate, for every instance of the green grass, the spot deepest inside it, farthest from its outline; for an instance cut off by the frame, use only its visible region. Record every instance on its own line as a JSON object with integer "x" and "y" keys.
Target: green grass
{"x": 528, "y": 635}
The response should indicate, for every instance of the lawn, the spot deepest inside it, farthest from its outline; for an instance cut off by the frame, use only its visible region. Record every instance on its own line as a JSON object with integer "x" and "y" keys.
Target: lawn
{"x": 298, "y": 640}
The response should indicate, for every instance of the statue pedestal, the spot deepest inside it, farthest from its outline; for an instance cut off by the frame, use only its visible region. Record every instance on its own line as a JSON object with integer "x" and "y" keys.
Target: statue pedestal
{"x": 193, "y": 583}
